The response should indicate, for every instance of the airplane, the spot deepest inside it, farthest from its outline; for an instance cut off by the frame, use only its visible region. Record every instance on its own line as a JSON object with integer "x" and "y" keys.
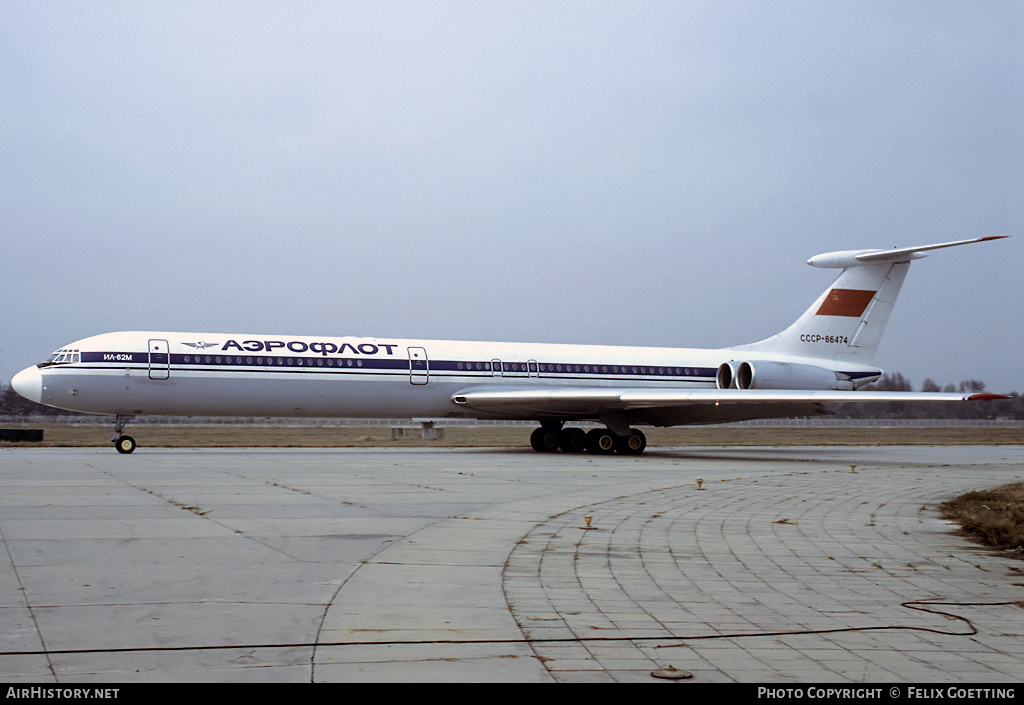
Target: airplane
{"x": 824, "y": 357}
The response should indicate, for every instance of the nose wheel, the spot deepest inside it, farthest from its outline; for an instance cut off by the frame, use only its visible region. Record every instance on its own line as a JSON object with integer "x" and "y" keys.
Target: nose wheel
{"x": 123, "y": 444}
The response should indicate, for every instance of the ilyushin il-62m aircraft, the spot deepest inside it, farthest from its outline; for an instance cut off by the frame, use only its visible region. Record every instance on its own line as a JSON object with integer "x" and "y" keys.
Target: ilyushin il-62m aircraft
{"x": 824, "y": 357}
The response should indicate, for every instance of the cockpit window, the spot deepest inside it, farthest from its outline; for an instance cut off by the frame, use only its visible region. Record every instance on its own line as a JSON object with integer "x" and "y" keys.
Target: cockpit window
{"x": 65, "y": 356}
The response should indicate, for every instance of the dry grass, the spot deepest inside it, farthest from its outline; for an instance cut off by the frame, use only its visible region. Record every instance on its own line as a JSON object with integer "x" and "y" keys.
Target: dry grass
{"x": 995, "y": 517}
{"x": 263, "y": 436}
{"x": 159, "y": 436}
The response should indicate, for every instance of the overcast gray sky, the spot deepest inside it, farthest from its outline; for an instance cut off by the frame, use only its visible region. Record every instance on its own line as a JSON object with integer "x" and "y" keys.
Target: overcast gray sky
{"x": 638, "y": 173}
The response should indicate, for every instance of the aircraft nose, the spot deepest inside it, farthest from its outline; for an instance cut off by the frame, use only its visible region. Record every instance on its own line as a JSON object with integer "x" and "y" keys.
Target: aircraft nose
{"x": 29, "y": 384}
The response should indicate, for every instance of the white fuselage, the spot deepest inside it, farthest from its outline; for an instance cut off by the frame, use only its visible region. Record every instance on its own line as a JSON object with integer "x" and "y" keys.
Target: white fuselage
{"x": 199, "y": 374}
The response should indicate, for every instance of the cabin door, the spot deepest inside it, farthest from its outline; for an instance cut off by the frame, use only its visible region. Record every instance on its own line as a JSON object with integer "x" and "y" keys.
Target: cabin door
{"x": 419, "y": 366}
{"x": 159, "y": 359}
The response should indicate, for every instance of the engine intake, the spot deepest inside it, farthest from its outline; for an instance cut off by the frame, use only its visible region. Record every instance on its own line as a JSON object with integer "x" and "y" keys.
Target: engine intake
{"x": 726, "y": 377}
{"x": 767, "y": 374}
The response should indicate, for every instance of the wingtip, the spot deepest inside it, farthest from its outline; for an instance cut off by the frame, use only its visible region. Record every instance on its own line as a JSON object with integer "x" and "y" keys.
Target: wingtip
{"x": 986, "y": 397}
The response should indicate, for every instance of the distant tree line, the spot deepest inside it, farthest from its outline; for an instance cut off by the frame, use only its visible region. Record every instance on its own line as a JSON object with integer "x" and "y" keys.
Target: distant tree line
{"x": 13, "y": 404}
{"x": 996, "y": 409}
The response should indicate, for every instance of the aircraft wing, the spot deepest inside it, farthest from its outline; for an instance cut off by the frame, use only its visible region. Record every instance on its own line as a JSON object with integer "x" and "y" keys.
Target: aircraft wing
{"x": 671, "y": 406}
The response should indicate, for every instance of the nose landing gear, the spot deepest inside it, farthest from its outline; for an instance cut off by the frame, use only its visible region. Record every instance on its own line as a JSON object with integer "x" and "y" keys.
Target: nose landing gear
{"x": 123, "y": 444}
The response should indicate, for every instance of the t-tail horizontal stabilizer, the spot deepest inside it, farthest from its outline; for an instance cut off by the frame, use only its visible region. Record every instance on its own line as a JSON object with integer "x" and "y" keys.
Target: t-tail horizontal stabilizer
{"x": 854, "y": 258}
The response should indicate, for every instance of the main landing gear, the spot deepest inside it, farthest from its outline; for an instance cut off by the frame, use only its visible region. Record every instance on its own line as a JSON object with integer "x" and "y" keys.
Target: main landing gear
{"x": 124, "y": 444}
{"x": 599, "y": 441}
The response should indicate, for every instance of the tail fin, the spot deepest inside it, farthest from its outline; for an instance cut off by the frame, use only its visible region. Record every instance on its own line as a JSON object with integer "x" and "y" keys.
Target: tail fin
{"x": 848, "y": 319}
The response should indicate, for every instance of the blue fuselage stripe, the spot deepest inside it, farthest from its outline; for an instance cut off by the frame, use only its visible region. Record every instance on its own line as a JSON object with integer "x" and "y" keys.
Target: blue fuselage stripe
{"x": 369, "y": 365}
{"x": 279, "y": 363}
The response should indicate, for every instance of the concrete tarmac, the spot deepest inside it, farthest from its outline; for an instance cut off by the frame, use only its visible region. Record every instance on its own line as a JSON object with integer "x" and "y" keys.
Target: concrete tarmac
{"x": 386, "y": 565}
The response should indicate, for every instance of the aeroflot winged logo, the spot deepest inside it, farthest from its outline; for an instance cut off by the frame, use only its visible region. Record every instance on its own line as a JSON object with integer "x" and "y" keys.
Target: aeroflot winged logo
{"x": 324, "y": 348}
{"x": 200, "y": 345}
